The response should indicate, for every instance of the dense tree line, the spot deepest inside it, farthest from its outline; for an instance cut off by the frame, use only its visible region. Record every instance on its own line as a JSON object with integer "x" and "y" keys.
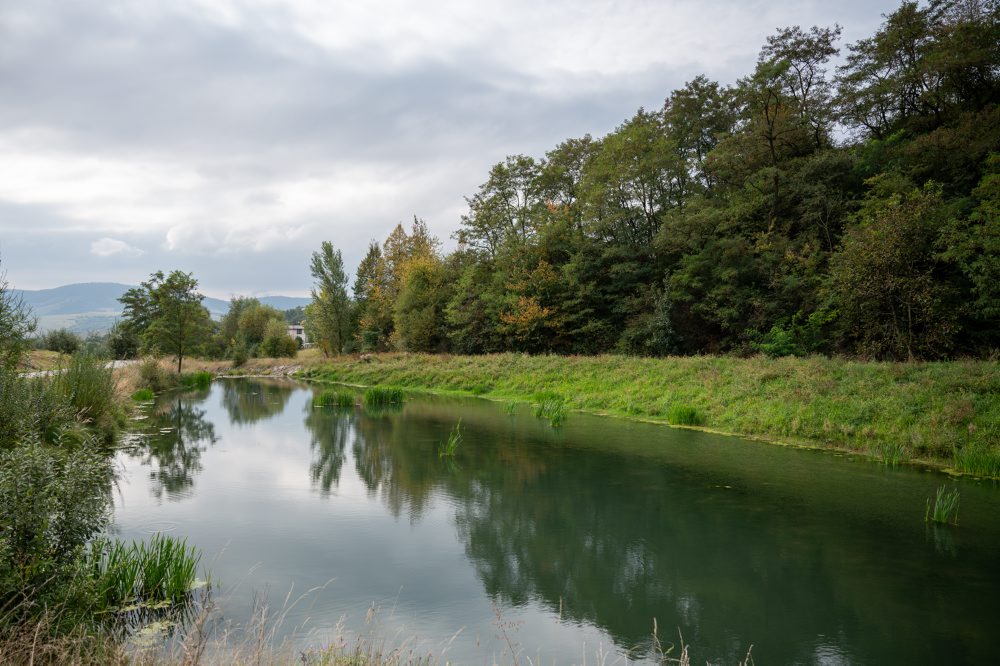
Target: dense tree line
{"x": 804, "y": 209}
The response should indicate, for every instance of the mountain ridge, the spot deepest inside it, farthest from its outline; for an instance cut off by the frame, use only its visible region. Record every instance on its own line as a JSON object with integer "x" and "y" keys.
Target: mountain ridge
{"x": 85, "y": 307}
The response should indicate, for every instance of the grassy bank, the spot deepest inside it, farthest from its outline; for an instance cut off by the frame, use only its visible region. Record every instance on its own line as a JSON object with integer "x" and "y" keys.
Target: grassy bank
{"x": 946, "y": 413}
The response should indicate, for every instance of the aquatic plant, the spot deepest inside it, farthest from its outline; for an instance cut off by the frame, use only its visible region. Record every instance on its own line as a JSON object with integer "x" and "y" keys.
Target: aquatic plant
{"x": 888, "y": 453}
{"x": 550, "y": 406}
{"x": 679, "y": 414}
{"x": 143, "y": 395}
{"x": 333, "y": 398}
{"x": 945, "y": 507}
{"x": 383, "y": 395}
{"x": 447, "y": 450}
{"x": 142, "y": 573}
{"x": 196, "y": 380}
{"x": 509, "y": 408}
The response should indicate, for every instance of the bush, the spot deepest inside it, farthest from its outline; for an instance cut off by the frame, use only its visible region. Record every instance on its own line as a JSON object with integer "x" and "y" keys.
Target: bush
{"x": 89, "y": 388}
{"x": 31, "y": 408}
{"x": 277, "y": 343}
{"x": 154, "y": 377}
{"x": 16, "y": 325}
{"x": 53, "y": 502}
{"x": 61, "y": 340}
{"x": 122, "y": 342}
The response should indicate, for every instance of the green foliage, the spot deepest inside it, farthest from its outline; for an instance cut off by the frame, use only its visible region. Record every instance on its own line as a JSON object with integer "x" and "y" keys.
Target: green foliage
{"x": 680, "y": 414}
{"x": 32, "y": 410}
{"x": 154, "y": 377}
{"x": 551, "y": 407}
{"x": 377, "y": 396}
{"x": 61, "y": 340}
{"x": 16, "y": 326}
{"x": 328, "y": 317}
{"x": 88, "y": 386}
{"x": 54, "y": 501}
{"x": 166, "y": 314}
{"x": 277, "y": 343}
{"x": 196, "y": 380}
{"x": 164, "y": 569}
{"x": 334, "y": 398}
{"x": 978, "y": 459}
{"x": 143, "y": 395}
{"x": 448, "y": 449}
{"x": 122, "y": 341}
{"x": 944, "y": 510}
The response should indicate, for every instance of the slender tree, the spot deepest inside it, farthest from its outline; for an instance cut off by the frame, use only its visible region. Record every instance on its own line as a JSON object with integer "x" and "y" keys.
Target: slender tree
{"x": 329, "y": 314}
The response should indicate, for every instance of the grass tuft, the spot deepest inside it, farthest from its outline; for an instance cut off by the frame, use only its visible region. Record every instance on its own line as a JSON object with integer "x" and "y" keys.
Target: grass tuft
{"x": 679, "y": 414}
{"x": 334, "y": 398}
{"x": 128, "y": 574}
{"x": 550, "y": 406}
{"x": 377, "y": 396}
{"x": 143, "y": 395}
{"x": 196, "y": 380}
{"x": 945, "y": 507}
{"x": 447, "y": 450}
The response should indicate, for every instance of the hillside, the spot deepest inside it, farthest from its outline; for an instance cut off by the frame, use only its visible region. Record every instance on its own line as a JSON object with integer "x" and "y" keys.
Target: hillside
{"x": 93, "y": 306}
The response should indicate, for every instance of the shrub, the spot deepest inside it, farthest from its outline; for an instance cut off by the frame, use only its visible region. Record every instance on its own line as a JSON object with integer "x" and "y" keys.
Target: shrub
{"x": 154, "y": 377}
{"x": 89, "y": 387}
{"x": 61, "y": 340}
{"x": 31, "y": 408}
{"x": 278, "y": 344}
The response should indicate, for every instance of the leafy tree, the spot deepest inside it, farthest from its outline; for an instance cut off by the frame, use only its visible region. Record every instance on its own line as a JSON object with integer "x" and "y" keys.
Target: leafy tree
{"x": 16, "y": 326}
{"x": 329, "y": 313}
{"x": 167, "y": 314}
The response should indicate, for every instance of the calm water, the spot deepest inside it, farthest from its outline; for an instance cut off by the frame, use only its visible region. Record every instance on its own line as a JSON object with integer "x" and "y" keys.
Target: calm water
{"x": 568, "y": 541}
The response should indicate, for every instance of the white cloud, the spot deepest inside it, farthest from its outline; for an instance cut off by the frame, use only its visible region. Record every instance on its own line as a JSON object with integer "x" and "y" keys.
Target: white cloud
{"x": 109, "y": 247}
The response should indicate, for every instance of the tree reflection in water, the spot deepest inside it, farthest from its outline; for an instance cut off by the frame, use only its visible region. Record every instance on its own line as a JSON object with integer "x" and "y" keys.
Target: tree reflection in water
{"x": 180, "y": 435}
{"x": 251, "y": 400}
{"x": 330, "y": 429}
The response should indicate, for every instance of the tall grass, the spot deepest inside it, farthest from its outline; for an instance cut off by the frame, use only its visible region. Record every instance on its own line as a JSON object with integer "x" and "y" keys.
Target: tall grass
{"x": 944, "y": 510}
{"x": 89, "y": 387}
{"x": 979, "y": 460}
{"x": 551, "y": 407}
{"x": 333, "y": 398}
{"x": 447, "y": 450}
{"x": 679, "y": 414}
{"x": 163, "y": 569}
{"x": 196, "y": 380}
{"x": 143, "y": 395}
{"x": 378, "y": 396}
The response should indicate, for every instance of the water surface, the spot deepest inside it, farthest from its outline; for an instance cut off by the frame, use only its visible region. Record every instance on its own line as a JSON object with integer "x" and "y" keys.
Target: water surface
{"x": 563, "y": 543}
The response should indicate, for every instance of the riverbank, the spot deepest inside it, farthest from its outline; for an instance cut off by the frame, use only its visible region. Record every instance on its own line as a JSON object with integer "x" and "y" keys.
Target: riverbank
{"x": 946, "y": 414}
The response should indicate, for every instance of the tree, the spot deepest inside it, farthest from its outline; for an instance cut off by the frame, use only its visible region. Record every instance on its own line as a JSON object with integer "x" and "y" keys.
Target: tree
{"x": 167, "y": 314}
{"x": 16, "y": 326}
{"x": 329, "y": 314}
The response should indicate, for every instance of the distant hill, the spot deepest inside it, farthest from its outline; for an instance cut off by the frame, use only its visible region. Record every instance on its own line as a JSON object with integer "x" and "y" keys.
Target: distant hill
{"x": 94, "y": 307}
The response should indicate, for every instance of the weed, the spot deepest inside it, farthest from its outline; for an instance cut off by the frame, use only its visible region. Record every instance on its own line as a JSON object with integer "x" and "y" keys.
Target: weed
{"x": 447, "y": 450}
{"x": 383, "y": 395}
{"x": 679, "y": 414}
{"x": 945, "y": 508}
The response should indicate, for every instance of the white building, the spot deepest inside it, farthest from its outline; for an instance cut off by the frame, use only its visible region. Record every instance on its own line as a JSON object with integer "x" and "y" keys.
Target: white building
{"x": 298, "y": 331}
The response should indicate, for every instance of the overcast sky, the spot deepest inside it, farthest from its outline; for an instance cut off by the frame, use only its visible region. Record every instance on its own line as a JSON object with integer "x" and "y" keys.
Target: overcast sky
{"x": 230, "y": 137}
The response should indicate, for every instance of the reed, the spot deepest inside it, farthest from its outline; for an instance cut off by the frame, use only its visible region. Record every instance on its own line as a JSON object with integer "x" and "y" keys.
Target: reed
{"x": 978, "y": 460}
{"x": 164, "y": 569}
{"x": 551, "y": 407}
{"x": 447, "y": 450}
{"x": 945, "y": 507}
{"x": 383, "y": 395}
{"x": 333, "y": 398}
{"x": 196, "y": 380}
{"x": 143, "y": 395}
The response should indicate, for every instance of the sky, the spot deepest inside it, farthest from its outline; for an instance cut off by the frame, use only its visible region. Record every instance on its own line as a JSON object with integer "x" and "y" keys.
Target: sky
{"x": 229, "y": 138}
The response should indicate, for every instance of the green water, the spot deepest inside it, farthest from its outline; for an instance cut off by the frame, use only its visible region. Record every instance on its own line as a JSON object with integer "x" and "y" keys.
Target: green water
{"x": 564, "y": 544}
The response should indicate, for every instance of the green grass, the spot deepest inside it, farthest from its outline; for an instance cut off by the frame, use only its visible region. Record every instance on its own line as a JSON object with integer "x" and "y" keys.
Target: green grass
{"x": 447, "y": 450}
{"x": 979, "y": 460}
{"x": 161, "y": 570}
{"x": 378, "y": 396}
{"x": 333, "y": 398}
{"x": 196, "y": 380}
{"x": 684, "y": 415}
{"x": 551, "y": 407}
{"x": 894, "y": 411}
{"x": 945, "y": 507}
{"x": 143, "y": 395}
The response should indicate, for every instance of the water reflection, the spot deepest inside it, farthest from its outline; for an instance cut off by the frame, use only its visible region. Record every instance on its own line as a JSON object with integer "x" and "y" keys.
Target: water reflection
{"x": 251, "y": 400}
{"x": 330, "y": 429}
{"x": 173, "y": 448}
